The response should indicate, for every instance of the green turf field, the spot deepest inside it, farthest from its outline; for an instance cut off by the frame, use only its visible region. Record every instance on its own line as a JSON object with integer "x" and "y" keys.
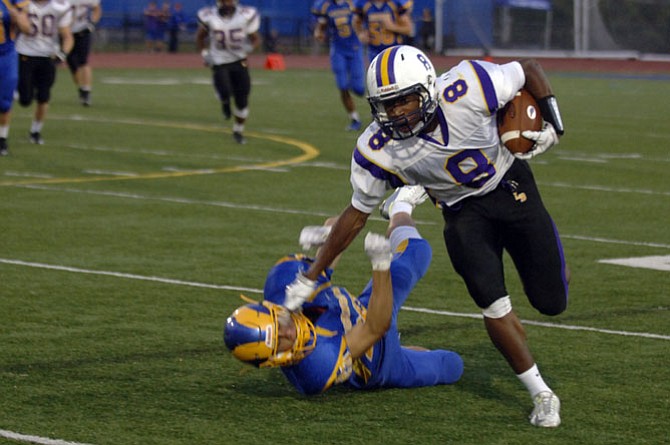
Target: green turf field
{"x": 128, "y": 237}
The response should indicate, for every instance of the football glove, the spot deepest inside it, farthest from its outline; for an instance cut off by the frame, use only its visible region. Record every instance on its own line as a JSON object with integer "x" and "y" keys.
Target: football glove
{"x": 59, "y": 56}
{"x": 298, "y": 292}
{"x": 378, "y": 249}
{"x": 313, "y": 236}
{"x": 207, "y": 57}
{"x": 544, "y": 140}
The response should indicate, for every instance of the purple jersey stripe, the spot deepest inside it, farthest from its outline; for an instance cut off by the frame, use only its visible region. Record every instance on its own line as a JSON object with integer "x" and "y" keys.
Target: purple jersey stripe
{"x": 487, "y": 87}
{"x": 377, "y": 171}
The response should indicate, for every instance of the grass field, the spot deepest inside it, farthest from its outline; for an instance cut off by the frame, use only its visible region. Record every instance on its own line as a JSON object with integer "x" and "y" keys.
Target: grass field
{"x": 128, "y": 237}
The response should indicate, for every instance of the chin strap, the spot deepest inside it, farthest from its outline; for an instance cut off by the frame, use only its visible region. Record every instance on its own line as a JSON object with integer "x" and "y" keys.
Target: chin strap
{"x": 550, "y": 113}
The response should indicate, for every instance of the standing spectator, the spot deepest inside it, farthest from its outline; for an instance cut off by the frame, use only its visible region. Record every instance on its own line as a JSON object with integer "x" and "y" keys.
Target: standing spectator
{"x": 381, "y": 24}
{"x": 39, "y": 51}
{"x": 12, "y": 19}
{"x": 154, "y": 32}
{"x": 427, "y": 30}
{"x": 334, "y": 18}
{"x": 177, "y": 23}
{"x": 227, "y": 34}
{"x": 87, "y": 14}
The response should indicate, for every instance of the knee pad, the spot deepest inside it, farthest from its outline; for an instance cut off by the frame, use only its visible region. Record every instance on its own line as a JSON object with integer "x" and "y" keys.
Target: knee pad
{"x": 499, "y": 308}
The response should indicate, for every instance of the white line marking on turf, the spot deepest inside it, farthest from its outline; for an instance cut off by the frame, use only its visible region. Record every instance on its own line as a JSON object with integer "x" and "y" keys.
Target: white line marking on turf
{"x": 600, "y": 188}
{"x": 198, "y": 202}
{"x": 260, "y": 291}
{"x": 35, "y": 439}
{"x": 658, "y": 262}
{"x": 546, "y": 324}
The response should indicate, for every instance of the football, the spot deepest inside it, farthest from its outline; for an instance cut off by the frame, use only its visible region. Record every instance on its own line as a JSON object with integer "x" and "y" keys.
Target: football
{"x": 518, "y": 115}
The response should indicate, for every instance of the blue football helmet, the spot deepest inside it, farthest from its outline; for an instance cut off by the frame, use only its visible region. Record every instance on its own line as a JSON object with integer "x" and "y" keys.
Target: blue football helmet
{"x": 283, "y": 273}
{"x": 251, "y": 334}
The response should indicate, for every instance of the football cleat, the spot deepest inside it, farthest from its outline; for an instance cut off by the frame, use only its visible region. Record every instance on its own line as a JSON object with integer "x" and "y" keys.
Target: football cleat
{"x": 85, "y": 98}
{"x": 411, "y": 194}
{"x": 36, "y": 138}
{"x": 3, "y": 147}
{"x": 355, "y": 125}
{"x": 547, "y": 410}
{"x": 239, "y": 138}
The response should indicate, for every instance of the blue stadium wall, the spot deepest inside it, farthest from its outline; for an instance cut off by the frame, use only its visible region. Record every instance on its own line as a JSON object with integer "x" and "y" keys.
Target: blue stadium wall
{"x": 467, "y": 23}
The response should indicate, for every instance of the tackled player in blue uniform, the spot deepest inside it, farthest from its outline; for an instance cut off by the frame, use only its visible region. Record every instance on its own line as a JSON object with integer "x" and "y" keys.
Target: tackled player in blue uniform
{"x": 340, "y": 339}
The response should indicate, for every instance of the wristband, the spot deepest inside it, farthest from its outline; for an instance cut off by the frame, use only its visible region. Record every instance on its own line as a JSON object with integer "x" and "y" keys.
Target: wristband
{"x": 550, "y": 113}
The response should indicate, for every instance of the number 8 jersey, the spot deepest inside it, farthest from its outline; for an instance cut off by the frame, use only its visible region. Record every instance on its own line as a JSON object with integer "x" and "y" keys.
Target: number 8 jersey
{"x": 461, "y": 157}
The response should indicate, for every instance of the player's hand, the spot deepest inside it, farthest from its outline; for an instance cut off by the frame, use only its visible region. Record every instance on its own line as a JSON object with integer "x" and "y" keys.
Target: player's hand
{"x": 544, "y": 140}
{"x": 90, "y": 26}
{"x": 298, "y": 292}
{"x": 59, "y": 56}
{"x": 207, "y": 57}
{"x": 313, "y": 236}
{"x": 378, "y": 249}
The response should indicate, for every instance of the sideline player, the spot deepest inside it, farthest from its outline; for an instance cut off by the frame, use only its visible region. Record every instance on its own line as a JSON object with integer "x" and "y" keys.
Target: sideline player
{"x": 87, "y": 14}
{"x": 48, "y": 43}
{"x": 334, "y": 19}
{"x": 227, "y": 34}
{"x": 441, "y": 133}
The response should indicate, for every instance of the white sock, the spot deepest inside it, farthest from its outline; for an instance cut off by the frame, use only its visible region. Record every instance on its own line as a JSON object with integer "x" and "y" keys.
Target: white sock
{"x": 4, "y": 131}
{"x": 36, "y": 126}
{"x": 533, "y": 381}
{"x": 238, "y": 128}
{"x": 354, "y": 116}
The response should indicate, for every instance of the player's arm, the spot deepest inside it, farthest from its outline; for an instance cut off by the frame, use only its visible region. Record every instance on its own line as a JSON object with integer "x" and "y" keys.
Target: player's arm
{"x": 66, "y": 39}
{"x": 96, "y": 14}
{"x": 403, "y": 25}
{"x": 18, "y": 17}
{"x": 201, "y": 38}
{"x": 380, "y": 308}
{"x": 537, "y": 84}
{"x": 348, "y": 225}
{"x": 320, "y": 31}
{"x": 255, "y": 40}
{"x": 358, "y": 24}
{"x": 539, "y": 87}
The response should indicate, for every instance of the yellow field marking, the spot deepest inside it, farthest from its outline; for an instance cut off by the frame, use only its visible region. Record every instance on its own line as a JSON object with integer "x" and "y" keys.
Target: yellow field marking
{"x": 308, "y": 152}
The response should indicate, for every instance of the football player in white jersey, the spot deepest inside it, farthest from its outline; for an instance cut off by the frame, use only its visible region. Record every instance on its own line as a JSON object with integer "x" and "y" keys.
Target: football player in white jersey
{"x": 86, "y": 14}
{"x": 441, "y": 133}
{"x": 227, "y": 34}
{"x": 49, "y": 42}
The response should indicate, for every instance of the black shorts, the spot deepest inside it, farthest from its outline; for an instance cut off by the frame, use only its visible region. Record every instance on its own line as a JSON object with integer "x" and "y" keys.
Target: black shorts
{"x": 232, "y": 79}
{"x": 36, "y": 77}
{"x": 80, "y": 51}
{"x": 511, "y": 218}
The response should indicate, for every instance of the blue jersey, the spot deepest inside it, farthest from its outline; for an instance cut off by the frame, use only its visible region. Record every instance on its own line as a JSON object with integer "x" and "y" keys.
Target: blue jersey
{"x": 7, "y": 36}
{"x": 372, "y": 13}
{"x": 339, "y": 15}
{"x": 386, "y": 364}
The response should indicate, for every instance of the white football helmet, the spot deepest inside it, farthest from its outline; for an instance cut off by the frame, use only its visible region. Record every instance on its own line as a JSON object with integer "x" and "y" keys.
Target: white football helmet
{"x": 396, "y": 72}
